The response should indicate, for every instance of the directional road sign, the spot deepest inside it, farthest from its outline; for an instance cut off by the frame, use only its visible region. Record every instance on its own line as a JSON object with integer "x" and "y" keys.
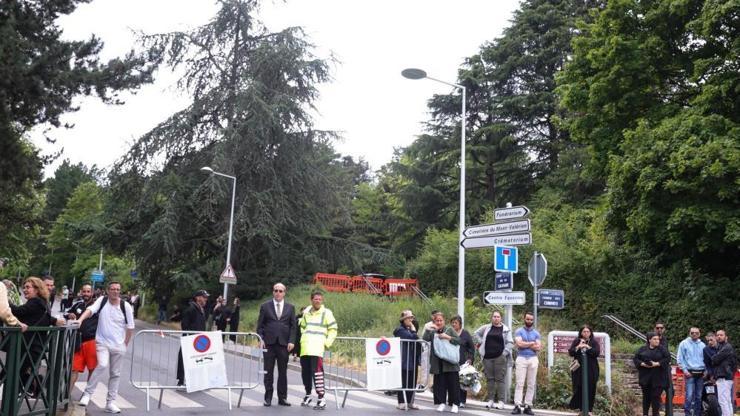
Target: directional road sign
{"x": 97, "y": 276}
{"x": 504, "y": 214}
{"x": 500, "y": 240}
{"x": 504, "y": 298}
{"x": 503, "y": 281}
{"x": 506, "y": 259}
{"x": 537, "y": 269}
{"x": 498, "y": 228}
{"x": 551, "y": 298}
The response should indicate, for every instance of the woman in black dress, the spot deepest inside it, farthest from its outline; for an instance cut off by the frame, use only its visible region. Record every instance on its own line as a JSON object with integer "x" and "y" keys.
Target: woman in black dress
{"x": 652, "y": 363}
{"x": 585, "y": 347}
{"x": 234, "y": 320}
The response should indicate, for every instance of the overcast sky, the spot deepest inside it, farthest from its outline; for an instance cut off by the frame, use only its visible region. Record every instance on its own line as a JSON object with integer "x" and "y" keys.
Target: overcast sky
{"x": 374, "y": 108}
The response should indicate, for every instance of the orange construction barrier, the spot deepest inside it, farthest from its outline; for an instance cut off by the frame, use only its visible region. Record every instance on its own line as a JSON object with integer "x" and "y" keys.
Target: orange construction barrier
{"x": 332, "y": 282}
{"x": 359, "y": 284}
{"x": 679, "y": 387}
{"x": 400, "y": 287}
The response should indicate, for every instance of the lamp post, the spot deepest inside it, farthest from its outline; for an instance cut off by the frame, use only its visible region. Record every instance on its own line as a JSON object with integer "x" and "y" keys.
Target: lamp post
{"x": 415, "y": 73}
{"x": 207, "y": 169}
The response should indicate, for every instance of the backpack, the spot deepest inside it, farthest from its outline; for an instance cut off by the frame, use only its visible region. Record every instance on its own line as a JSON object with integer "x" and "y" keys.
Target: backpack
{"x": 123, "y": 307}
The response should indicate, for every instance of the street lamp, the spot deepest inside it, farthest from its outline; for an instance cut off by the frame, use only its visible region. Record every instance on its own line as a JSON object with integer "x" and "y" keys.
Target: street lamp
{"x": 210, "y": 171}
{"x": 415, "y": 73}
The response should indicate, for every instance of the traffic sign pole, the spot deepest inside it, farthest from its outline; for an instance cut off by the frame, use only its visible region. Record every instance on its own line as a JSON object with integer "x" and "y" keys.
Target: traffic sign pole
{"x": 534, "y": 297}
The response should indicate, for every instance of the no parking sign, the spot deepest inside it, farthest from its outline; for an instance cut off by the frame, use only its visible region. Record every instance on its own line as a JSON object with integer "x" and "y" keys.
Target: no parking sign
{"x": 203, "y": 361}
{"x": 383, "y": 359}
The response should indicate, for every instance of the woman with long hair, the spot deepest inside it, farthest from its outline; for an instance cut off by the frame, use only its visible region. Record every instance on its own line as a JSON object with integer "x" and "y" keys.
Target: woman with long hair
{"x": 585, "y": 349}
{"x": 446, "y": 373}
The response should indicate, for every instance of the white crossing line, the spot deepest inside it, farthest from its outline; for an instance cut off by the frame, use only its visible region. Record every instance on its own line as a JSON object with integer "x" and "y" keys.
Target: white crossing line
{"x": 172, "y": 399}
{"x": 352, "y": 404}
{"x": 100, "y": 395}
{"x": 223, "y": 395}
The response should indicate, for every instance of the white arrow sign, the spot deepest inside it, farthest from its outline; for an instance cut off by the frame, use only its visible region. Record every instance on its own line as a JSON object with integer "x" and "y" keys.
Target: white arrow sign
{"x": 504, "y": 298}
{"x": 502, "y": 240}
{"x": 498, "y": 229}
{"x": 503, "y": 214}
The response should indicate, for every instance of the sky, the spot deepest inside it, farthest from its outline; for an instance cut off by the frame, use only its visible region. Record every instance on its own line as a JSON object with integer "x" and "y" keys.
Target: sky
{"x": 373, "y": 107}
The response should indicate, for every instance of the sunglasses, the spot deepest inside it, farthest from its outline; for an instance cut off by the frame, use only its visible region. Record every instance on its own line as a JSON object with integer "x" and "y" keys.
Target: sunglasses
{"x": 659, "y": 327}
{"x": 278, "y": 290}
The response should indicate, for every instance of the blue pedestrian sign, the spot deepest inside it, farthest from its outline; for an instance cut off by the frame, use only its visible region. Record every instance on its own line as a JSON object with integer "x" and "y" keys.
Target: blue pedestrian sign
{"x": 551, "y": 298}
{"x": 504, "y": 281}
{"x": 97, "y": 276}
{"x": 134, "y": 274}
{"x": 506, "y": 259}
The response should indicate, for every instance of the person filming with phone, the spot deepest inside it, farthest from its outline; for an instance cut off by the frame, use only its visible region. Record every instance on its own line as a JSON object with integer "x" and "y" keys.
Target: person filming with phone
{"x": 652, "y": 362}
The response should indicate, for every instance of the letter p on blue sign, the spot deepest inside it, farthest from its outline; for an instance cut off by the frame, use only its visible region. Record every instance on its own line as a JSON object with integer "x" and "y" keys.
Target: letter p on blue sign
{"x": 506, "y": 259}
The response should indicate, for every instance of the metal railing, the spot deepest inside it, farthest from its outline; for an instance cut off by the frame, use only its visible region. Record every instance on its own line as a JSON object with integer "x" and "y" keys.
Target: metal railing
{"x": 154, "y": 362}
{"x": 345, "y": 368}
{"x": 35, "y": 370}
{"x": 631, "y": 330}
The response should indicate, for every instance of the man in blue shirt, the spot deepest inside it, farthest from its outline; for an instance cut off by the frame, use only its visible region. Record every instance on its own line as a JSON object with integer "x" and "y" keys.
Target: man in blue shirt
{"x": 528, "y": 344}
{"x": 691, "y": 360}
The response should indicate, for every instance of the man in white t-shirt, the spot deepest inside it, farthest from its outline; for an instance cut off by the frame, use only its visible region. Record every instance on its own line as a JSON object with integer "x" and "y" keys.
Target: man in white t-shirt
{"x": 115, "y": 328}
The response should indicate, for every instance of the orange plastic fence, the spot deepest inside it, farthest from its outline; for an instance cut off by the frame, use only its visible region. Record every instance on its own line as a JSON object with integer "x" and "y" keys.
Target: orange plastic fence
{"x": 359, "y": 284}
{"x": 400, "y": 287}
{"x": 332, "y": 282}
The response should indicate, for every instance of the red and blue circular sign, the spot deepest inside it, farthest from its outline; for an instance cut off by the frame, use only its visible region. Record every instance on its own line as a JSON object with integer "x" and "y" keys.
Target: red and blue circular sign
{"x": 383, "y": 347}
{"x": 202, "y": 343}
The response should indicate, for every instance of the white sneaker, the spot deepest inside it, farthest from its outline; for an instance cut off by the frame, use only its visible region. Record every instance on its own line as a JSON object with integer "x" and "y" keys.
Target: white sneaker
{"x": 401, "y": 406}
{"x": 84, "y": 400}
{"x": 500, "y": 405}
{"x": 454, "y": 409}
{"x": 112, "y": 408}
{"x": 441, "y": 407}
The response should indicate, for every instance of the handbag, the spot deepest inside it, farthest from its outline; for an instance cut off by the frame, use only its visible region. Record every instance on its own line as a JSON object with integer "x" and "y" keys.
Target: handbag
{"x": 444, "y": 350}
{"x": 574, "y": 365}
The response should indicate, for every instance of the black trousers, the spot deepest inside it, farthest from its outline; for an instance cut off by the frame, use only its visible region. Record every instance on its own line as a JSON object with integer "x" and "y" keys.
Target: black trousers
{"x": 312, "y": 374}
{"x": 276, "y": 354}
{"x": 447, "y": 388}
{"x": 408, "y": 381}
{"x": 651, "y": 397}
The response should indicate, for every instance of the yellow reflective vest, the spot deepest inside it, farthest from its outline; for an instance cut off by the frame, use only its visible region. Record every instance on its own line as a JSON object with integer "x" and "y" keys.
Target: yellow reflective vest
{"x": 318, "y": 330}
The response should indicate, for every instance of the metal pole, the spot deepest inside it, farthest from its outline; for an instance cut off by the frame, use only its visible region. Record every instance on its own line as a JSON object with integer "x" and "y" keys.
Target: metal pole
{"x": 461, "y": 250}
{"x": 507, "y": 380}
{"x": 231, "y": 230}
{"x": 584, "y": 384}
{"x": 534, "y": 285}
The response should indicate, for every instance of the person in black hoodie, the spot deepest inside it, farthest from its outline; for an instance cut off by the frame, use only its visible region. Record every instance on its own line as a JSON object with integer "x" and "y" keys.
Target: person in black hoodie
{"x": 585, "y": 347}
{"x": 724, "y": 364}
{"x": 652, "y": 363}
{"x": 193, "y": 319}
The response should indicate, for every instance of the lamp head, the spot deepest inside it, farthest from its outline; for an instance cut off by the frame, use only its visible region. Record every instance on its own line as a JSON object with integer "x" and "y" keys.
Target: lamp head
{"x": 414, "y": 73}
{"x": 206, "y": 169}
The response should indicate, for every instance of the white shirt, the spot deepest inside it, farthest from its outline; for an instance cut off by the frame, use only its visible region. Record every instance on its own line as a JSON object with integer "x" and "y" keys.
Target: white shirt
{"x": 111, "y": 323}
{"x": 282, "y": 307}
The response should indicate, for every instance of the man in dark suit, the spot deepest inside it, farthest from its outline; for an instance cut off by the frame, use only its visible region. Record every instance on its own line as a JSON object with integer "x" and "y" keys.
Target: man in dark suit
{"x": 276, "y": 325}
{"x": 193, "y": 319}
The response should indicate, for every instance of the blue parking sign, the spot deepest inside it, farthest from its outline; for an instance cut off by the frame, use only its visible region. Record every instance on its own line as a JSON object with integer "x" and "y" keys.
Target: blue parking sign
{"x": 506, "y": 259}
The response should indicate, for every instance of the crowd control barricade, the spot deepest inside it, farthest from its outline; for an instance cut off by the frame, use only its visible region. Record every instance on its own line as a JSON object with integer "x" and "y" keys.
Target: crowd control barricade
{"x": 345, "y": 367}
{"x": 332, "y": 282}
{"x": 34, "y": 369}
{"x": 155, "y": 358}
{"x": 400, "y": 287}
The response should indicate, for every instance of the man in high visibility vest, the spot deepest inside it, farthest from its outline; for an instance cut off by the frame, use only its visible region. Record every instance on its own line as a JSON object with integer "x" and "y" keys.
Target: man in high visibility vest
{"x": 318, "y": 331}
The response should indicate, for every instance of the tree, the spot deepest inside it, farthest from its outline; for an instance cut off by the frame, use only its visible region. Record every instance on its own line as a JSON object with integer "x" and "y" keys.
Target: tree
{"x": 250, "y": 93}
{"x": 60, "y": 187}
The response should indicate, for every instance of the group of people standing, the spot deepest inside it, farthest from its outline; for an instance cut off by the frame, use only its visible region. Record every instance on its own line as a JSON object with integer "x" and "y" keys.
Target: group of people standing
{"x": 106, "y": 327}
{"x": 714, "y": 362}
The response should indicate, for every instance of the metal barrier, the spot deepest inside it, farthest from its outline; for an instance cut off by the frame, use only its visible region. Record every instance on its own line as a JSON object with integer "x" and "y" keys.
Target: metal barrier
{"x": 154, "y": 360}
{"x": 345, "y": 367}
{"x": 34, "y": 373}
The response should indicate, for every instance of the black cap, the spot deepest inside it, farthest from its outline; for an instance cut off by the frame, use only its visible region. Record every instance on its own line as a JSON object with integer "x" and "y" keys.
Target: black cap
{"x": 201, "y": 293}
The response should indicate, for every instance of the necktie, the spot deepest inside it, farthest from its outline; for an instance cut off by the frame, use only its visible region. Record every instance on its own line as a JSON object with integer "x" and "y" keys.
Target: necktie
{"x": 279, "y": 310}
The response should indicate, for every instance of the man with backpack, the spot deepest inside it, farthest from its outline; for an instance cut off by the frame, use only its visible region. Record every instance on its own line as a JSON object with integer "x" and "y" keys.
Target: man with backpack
{"x": 114, "y": 331}
{"x": 85, "y": 355}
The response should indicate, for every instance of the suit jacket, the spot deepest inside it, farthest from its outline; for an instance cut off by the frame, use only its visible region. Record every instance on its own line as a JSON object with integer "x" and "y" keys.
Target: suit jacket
{"x": 273, "y": 330}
